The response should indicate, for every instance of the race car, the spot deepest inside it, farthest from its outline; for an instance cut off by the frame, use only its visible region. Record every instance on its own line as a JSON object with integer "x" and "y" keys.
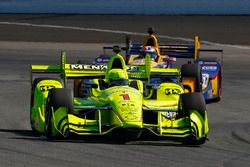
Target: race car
{"x": 210, "y": 61}
{"x": 136, "y": 56}
{"x": 166, "y": 54}
{"x": 116, "y": 101}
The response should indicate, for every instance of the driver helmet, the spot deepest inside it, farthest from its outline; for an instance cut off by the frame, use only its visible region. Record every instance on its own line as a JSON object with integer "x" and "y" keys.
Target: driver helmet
{"x": 117, "y": 77}
{"x": 150, "y": 50}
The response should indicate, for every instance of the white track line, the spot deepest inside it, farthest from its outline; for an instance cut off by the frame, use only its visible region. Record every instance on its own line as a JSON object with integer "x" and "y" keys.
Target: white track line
{"x": 119, "y": 32}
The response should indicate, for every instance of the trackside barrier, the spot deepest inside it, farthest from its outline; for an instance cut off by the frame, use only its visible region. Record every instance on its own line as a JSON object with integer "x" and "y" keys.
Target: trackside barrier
{"x": 145, "y": 7}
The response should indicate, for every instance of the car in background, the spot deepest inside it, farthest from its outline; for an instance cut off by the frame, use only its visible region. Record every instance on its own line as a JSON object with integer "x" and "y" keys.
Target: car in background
{"x": 209, "y": 60}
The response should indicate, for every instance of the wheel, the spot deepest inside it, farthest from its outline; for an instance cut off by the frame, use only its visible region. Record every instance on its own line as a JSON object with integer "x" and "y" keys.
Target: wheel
{"x": 191, "y": 140}
{"x": 193, "y": 101}
{"x": 48, "y": 130}
{"x": 33, "y": 87}
{"x": 193, "y": 71}
{"x": 58, "y": 97}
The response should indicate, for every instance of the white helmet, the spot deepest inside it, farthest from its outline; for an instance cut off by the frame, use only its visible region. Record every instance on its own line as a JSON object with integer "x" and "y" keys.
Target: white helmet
{"x": 150, "y": 50}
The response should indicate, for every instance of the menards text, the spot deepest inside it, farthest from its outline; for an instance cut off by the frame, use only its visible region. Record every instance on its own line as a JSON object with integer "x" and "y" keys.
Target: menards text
{"x": 88, "y": 67}
{"x": 97, "y": 67}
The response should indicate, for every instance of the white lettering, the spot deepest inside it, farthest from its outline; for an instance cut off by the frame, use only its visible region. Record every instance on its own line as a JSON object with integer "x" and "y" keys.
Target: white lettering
{"x": 88, "y": 67}
{"x": 76, "y": 66}
{"x": 213, "y": 68}
{"x": 94, "y": 67}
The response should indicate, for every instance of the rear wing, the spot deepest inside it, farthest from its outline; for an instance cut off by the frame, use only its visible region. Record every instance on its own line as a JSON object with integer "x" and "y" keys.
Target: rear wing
{"x": 191, "y": 51}
{"x": 178, "y": 51}
{"x": 65, "y": 70}
{"x": 74, "y": 71}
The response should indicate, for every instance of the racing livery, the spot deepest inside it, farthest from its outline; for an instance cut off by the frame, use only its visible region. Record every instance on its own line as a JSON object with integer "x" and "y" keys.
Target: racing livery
{"x": 211, "y": 62}
{"x": 116, "y": 100}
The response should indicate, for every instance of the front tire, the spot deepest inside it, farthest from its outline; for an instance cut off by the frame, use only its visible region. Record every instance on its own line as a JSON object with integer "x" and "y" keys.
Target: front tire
{"x": 58, "y": 97}
{"x": 191, "y": 140}
{"x": 33, "y": 88}
{"x": 194, "y": 101}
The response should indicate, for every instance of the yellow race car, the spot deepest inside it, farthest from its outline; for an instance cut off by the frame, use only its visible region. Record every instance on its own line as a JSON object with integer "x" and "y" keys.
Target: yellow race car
{"x": 117, "y": 100}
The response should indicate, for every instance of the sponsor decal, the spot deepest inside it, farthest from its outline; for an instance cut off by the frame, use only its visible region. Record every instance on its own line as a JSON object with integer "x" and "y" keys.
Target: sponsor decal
{"x": 130, "y": 117}
{"x": 170, "y": 91}
{"x": 170, "y": 115}
{"x": 88, "y": 67}
{"x": 132, "y": 68}
{"x": 209, "y": 68}
{"x": 46, "y": 88}
{"x": 125, "y": 96}
{"x": 97, "y": 67}
{"x": 105, "y": 60}
{"x": 99, "y": 60}
{"x": 207, "y": 63}
{"x": 102, "y": 60}
{"x": 205, "y": 79}
{"x": 212, "y": 63}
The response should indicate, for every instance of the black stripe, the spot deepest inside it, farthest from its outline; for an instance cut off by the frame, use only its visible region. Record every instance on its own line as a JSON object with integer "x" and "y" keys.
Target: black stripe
{"x": 177, "y": 134}
{"x": 83, "y": 131}
{"x": 60, "y": 122}
{"x": 82, "y": 125}
{"x": 64, "y": 127}
{"x": 197, "y": 132}
{"x": 184, "y": 127}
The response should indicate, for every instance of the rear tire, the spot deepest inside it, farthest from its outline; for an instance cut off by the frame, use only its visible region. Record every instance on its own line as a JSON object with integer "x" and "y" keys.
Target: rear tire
{"x": 193, "y": 70}
{"x": 58, "y": 97}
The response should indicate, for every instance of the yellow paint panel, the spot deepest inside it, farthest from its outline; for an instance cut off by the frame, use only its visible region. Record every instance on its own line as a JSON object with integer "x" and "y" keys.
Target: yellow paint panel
{"x": 215, "y": 86}
{"x": 189, "y": 81}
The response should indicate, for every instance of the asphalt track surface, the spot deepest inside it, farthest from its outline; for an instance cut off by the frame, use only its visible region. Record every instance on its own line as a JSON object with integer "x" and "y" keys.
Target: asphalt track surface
{"x": 229, "y": 119}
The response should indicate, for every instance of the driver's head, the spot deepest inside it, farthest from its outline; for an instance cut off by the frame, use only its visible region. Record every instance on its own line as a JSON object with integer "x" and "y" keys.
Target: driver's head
{"x": 117, "y": 77}
{"x": 150, "y": 31}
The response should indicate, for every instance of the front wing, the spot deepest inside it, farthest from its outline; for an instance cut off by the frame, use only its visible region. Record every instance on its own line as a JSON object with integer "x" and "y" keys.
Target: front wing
{"x": 65, "y": 124}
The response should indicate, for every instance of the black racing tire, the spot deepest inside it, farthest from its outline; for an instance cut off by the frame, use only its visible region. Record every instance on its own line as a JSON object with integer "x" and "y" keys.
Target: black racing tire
{"x": 34, "y": 84}
{"x": 196, "y": 101}
{"x": 192, "y": 141}
{"x": 57, "y": 97}
{"x": 37, "y": 80}
{"x": 193, "y": 70}
{"x": 48, "y": 130}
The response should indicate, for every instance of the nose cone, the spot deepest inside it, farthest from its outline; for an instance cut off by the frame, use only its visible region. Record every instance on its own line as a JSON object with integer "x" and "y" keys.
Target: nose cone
{"x": 127, "y": 106}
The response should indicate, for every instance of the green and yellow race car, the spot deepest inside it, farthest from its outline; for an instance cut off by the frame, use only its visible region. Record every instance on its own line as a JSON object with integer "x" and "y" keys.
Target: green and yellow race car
{"x": 116, "y": 100}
